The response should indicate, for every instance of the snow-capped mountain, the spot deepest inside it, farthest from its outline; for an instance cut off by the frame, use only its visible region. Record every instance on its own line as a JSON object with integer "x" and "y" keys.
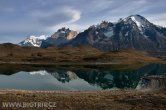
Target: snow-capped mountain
{"x": 60, "y": 37}
{"x": 140, "y": 21}
{"x": 33, "y": 41}
{"x": 134, "y": 32}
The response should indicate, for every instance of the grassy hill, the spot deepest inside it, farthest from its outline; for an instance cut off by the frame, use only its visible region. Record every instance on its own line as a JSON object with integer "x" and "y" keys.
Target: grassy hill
{"x": 69, "y": 55}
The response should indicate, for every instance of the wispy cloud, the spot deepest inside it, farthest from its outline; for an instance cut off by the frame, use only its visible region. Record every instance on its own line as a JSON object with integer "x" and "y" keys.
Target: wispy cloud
{"x": 56, "y": 16}
{"x": 128, "y": 8}
{"x": 50, "y": 18}
{"x": 161, "y": 20}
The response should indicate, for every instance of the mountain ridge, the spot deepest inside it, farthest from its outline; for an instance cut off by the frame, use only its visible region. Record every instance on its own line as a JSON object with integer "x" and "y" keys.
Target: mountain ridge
{"x": 132, "y": 32}
{"x": 126, "y": 33}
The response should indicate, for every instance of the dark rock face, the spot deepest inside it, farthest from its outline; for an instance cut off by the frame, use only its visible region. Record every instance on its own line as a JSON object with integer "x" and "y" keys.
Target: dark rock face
{"x": 132, "y": 32}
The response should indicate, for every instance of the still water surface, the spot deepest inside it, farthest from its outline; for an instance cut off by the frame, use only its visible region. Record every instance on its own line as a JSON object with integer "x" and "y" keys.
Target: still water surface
{"x": 75, "y": 77}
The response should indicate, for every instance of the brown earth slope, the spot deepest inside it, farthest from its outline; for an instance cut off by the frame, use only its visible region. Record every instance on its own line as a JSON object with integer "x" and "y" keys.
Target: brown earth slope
{"x": 11, "y": 53}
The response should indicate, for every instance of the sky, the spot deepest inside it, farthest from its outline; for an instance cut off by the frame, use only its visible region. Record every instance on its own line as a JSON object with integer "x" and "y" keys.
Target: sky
{"x": 22, "y": 18}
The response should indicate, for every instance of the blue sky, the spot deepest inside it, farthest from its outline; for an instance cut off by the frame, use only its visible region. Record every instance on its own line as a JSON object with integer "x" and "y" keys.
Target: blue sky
{"x": 22, "y": 18}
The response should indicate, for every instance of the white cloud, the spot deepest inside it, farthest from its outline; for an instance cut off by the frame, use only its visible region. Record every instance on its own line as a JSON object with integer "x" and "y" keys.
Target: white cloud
{"x": 129, "y": 7}
{"x": 43, "y": 21}
{"x": 74, "y": 14}
{"x": 157, "y": 19}
{"x": 60, "y": 14}
{"x": 98, "y": 5}
{"x": 72, "y": 26}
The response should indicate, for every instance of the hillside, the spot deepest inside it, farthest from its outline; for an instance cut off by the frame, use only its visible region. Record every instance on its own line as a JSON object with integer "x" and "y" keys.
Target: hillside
{"x": 11, "y": 53}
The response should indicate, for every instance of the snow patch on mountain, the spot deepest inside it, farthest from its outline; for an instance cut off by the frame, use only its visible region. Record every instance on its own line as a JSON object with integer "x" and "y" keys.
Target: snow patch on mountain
{"x": 39, "y": 37}
{"x": 138, "y": 22}
{"x": 109, "y": 33}
{"x": 127, "y": 33}
{"x": 33, "y": 41}
{"x": 42, "y": 72}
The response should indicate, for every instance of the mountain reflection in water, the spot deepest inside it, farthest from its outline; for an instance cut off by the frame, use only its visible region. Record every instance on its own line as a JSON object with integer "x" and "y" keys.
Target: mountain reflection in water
{"x": 78, "y": 78}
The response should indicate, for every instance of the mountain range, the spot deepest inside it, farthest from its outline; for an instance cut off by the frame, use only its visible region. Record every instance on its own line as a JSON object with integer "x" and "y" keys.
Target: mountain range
{"x": 132, "y": 32}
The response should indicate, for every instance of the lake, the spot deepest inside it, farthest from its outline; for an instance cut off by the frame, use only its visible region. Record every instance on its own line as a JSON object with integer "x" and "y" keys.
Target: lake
{"x": 82, "y": 78}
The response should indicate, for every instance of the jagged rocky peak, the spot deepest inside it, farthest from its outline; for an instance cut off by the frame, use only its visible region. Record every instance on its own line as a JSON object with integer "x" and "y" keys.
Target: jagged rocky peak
{"x": 104, "y": 24}
{"x": 65, "y": 32}
{"x": 138, "y": 20}
{"x": 104, "y": 28}
{"x": 63, "y": 35}
{"x": 93, "y": 27}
